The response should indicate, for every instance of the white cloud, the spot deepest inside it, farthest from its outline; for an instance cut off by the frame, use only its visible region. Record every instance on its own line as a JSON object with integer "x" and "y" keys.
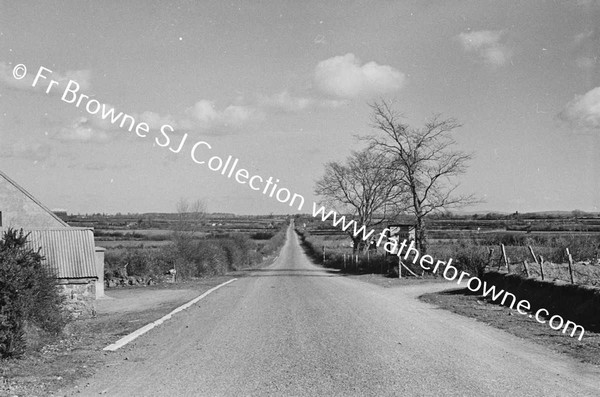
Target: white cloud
{"x": 583, "y": 112}
{"x": 205, "y": 115}
{"x": 585, "y": 49}
{"x": 98, "y": 166}
{"x": 582, "y": 37}
{"x": 586, "y": 63}
{"x": 81, "y": 130}
{"x": 487, "y": 44}
{"x": 286, "y": 102}
{"x": 82, "y": 77}
{"x": 155, "y": 121}
{"x": 344, "y": 77}
{"x": 29, "y": 150}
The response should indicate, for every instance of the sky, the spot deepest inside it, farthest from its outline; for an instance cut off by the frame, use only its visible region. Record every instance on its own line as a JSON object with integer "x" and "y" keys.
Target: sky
{"x": 285, "y": 87}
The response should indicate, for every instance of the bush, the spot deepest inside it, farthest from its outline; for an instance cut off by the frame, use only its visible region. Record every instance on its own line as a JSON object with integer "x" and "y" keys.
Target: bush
{"x": 29, "y": 297}
{"x": 472, "y": 258}
{"x": 275, "y": 242}
{"x": 136, "y": 262}
{"x": 261, "y": 236}
{"x": 193, "y": 257}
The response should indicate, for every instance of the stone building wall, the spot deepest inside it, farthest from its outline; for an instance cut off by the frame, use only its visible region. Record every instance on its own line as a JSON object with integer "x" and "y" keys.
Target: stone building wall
{"x": 20, "y": 210}
{"x": 80, "y": 297}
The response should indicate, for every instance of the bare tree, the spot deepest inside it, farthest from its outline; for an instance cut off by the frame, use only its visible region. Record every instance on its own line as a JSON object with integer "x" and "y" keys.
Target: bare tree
{"x": 427, "y": 160}
{"x": 190, "y": 217}
{"x": 364, "y": 186}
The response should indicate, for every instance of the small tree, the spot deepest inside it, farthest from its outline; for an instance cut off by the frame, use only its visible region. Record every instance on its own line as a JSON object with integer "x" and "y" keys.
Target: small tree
{"x": 427, "y": 160}
{"x": 190, "y": 217}
{"x": 365, "y": 186}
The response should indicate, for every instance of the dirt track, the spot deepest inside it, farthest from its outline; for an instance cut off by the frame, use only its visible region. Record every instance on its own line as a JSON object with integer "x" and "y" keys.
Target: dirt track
{"x": 296, "y": 329}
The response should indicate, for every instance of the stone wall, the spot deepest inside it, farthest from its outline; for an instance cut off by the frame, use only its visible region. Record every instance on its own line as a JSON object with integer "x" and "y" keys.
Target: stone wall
{"x": 80, "y": 297}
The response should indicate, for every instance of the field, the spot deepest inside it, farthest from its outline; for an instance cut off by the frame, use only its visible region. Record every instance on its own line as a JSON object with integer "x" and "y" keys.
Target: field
{"x": 142, "y": 249}
{"x": 480, "y": 239}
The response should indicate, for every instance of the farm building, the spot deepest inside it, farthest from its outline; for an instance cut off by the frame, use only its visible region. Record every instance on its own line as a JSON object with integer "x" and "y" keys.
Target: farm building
{"x": 69, "y": 252}
{"x": 404, "y": 231}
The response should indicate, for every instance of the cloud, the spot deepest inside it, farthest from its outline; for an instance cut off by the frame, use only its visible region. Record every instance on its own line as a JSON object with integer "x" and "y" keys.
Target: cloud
{"x": 81, "y": 130}
{"x": 582, "y": 37}
{"x": 583, "y": 112}
{"x": 288, "y": 103}
{"x": 586, "y": 63}
{"x": 98, "y": 166}
{"x": 588, "y": 3}
{"x": 155, "y": 120}
{"x": 487, "y": 44}
{"x": 205, "y": 115}
{"x": 585, "y": 49}
{"x": 344, "y": 77}
{"x": 82, "y": 77}
{"x": 31, "y": 150}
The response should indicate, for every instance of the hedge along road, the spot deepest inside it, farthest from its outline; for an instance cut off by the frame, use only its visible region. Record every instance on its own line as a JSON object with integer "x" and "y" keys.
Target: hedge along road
{"x": 296, "y": 329}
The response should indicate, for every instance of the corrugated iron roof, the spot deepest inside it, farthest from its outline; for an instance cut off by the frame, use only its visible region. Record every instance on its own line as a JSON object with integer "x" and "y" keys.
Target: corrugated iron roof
{"x": 69, "y": 251}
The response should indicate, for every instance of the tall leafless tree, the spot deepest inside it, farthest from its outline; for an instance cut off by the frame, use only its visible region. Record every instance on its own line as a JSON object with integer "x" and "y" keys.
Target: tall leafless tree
{"x": 427, "y": 160}
{"x": 190, "y": 216}
{"x": 365, "y": 187}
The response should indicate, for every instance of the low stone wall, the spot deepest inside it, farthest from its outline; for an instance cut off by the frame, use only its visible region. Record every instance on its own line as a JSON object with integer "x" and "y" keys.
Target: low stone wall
{"x": 114, "y": 282}
{"x": 578, "y": 303}
{"x": 80, "y": 297}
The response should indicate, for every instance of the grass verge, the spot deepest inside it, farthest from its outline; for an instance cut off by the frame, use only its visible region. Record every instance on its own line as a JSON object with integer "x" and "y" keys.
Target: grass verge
{"x": 78, "y": 352}
{"x": 465, "y": 303}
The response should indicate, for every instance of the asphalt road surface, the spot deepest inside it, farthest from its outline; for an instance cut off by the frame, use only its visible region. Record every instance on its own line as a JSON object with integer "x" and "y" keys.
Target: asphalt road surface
{"x": 296, "y": 329}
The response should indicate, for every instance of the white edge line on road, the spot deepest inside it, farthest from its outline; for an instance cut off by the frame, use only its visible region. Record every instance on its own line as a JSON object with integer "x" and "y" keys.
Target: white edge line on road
{"x": 128, "y": 338}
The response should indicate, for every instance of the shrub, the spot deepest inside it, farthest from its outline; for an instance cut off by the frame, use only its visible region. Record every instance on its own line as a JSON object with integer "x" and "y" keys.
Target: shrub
{"x": 238, "y": 251}
{"x": 29, "y": 296}
{"x": 472, "y": 258}
{"x": 261, "y": 236}
{"x": 275, "y": 242}
{"x": 136, "y": 262}
{"x": 193, "y": 257}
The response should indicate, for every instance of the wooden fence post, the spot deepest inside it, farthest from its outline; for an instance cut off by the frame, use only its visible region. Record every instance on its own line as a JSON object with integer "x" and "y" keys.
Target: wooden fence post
{"x": 506, "y": 261}
{"x": 533, "y": 254}
{"x": 526, "y": 267}
{"x": 399, "y": 267}
{"x": 323, "y": 254}
{"x": 542, "y": 267}
{"x": 489, "y": 261}
{"x": 570, "y": 266}
{"x": 536, "y": 260}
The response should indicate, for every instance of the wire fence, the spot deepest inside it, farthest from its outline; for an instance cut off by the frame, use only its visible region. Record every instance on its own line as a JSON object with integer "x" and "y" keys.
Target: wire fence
{"x": 581, "y": 272}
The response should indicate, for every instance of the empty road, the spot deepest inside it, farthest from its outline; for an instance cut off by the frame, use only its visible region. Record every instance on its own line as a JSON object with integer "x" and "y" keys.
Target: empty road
{"x": 295, "y": 329}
